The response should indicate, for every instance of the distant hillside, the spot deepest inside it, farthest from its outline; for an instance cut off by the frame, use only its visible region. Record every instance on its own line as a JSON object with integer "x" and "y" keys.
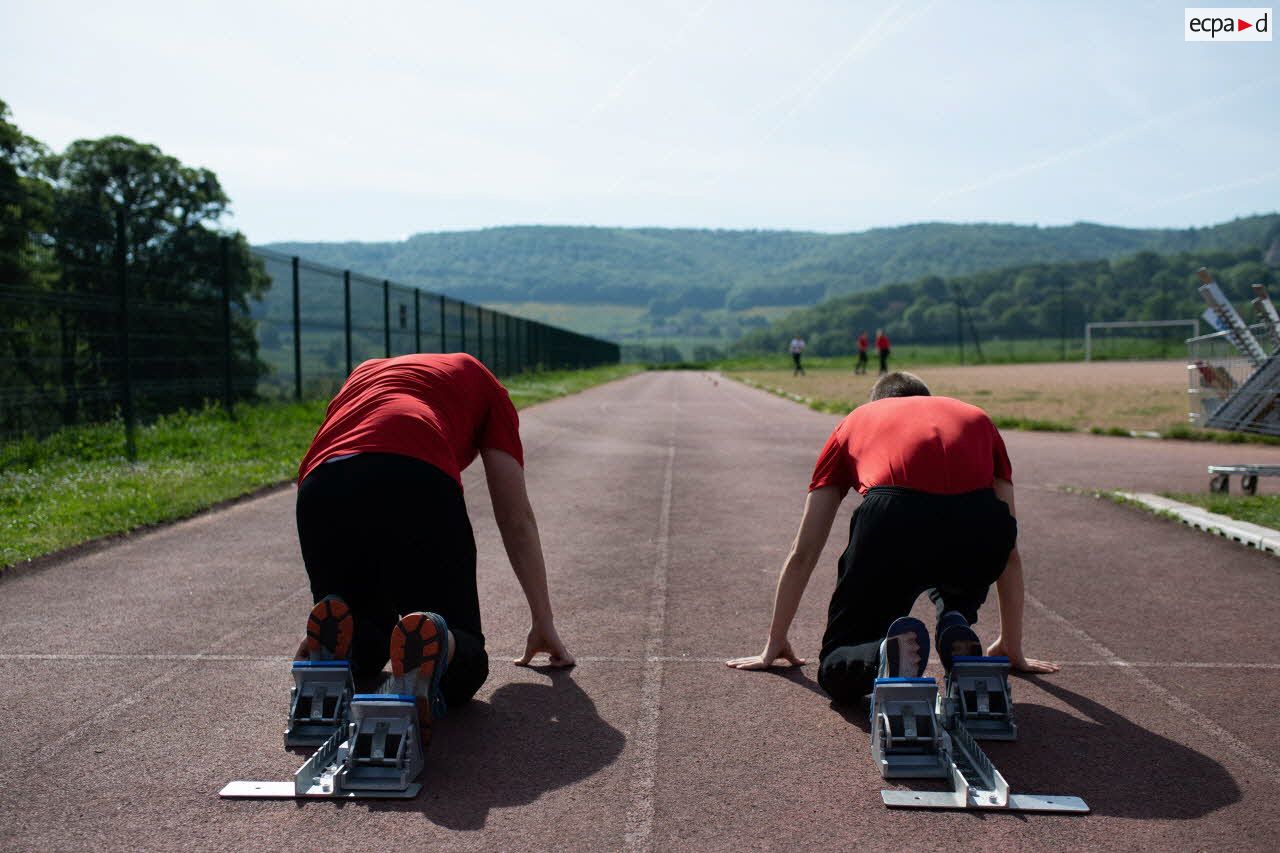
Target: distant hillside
{"x": 1021, "y": 302}
{"x": 716, "y": 283}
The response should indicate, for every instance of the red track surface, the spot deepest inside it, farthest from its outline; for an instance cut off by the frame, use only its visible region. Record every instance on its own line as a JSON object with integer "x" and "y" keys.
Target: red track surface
{"x": 142, "y": 677}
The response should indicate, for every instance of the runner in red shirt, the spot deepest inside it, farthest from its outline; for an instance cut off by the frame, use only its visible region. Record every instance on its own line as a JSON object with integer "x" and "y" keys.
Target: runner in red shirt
{"x": 861, "y": 366}
{"x": 882, "y": 347}
{"x": 384, "y": 530}
{"x": 937, "y": 514}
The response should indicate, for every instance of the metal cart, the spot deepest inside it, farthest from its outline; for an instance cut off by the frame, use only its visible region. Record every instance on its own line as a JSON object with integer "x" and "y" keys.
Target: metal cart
{"x": 1234, "y": 378}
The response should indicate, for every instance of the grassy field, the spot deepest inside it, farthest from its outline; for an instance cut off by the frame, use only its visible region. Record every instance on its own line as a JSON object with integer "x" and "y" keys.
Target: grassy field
{"x": 76, "y": 485}
{"x": 1143, "y": 396}
{"x": 1109, "y": 398}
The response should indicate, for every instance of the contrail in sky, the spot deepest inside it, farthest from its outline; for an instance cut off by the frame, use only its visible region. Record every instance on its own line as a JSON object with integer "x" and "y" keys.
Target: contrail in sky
{"x": 886, "y": 25}
{"x": 680, "y": 35}
{"x": 1098, "y": 144}
{"x": 1264, "y": 178}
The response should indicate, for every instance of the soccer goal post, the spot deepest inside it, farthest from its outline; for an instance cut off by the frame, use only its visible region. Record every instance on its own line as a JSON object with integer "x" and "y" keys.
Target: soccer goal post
{"x": 1193, "y": 325}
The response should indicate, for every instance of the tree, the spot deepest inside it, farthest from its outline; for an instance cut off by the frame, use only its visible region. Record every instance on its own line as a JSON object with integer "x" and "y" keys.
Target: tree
{"x": 119, "y": 200}
{"x": 25, "y": 271}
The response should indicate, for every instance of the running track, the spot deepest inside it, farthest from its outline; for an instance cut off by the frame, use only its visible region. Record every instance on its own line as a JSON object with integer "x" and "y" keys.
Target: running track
{"x": 141, "y": 677}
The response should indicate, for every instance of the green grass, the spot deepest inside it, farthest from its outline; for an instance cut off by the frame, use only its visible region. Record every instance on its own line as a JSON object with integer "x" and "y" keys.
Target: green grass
{"x": 1258, "y": 509}
{"x": 76, "y": 484}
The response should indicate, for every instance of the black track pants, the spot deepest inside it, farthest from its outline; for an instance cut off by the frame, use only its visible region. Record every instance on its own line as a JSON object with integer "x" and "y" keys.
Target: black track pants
{"x": 390, "y": 534}
{"x": 902, "y": 543}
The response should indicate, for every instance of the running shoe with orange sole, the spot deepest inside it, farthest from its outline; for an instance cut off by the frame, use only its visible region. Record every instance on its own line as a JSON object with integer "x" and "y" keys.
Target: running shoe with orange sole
{"x": 419, "y": 657}
{"x": 329, "y": 630}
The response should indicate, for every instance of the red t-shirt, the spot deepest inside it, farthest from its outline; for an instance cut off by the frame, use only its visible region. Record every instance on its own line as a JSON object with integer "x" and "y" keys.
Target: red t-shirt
{"x": 882, "y": 342}
{"x": 442, "y": 409}
{"x": 929, "y": 444}
{"x": 862, "y": 343}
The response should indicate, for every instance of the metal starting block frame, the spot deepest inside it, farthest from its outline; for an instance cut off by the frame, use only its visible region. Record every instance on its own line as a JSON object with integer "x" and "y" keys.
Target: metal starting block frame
{"x": 375, "y": 753}
{"x": 977, "y": 704}
{"x": 319, "y": 702}
{"x": 978, "y": 695}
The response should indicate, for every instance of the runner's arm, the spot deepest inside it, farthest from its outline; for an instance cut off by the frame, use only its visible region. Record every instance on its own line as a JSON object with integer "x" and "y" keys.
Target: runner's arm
{"x": 1011, "y": 594}
{"x": 815, "y": 526}
{"x": 519, "y": 529}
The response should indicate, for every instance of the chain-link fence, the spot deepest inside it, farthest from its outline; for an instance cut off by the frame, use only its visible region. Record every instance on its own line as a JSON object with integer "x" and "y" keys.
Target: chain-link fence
{"x": 113, "y": 335}
{"x": 315, "y": 323}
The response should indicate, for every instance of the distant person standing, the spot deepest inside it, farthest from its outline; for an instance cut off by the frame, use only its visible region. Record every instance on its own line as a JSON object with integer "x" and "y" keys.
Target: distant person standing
{"x": 861, "y": 366}
{"x": 797, "y": 350}
{"x": 882, "y": 347}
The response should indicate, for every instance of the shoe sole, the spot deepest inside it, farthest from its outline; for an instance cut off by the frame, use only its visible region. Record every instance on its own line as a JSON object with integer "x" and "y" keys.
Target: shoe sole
{"x": 329, "y": 630}
{"x": 418, "y": 648}
{"x": 910, "y": 625}
{"x": 957, "y": 641}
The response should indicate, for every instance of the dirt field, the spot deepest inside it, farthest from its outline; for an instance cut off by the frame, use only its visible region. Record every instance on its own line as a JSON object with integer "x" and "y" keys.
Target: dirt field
{"x": 1135, "y": 395}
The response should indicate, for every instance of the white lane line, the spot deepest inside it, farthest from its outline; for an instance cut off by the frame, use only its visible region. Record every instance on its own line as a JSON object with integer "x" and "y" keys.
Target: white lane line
{"x": 1172, "y": 664}
{"x": 170, "y": 658}
{"x": 1217, "y": 732}
{"x": 639, "y": 824}
{"x": 628, "y": 659}
{"x": 100, "y": 714}
{"x": 583, "y": 658}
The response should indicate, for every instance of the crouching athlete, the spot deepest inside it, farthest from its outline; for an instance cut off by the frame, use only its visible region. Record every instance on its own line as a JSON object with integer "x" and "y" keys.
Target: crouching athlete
{"x": 937, "y": 515}
{"x": 384, "y": 531}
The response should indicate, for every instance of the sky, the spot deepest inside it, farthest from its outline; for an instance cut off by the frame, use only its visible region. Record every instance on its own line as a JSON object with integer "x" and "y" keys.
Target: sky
{"x": 375, "y": 121}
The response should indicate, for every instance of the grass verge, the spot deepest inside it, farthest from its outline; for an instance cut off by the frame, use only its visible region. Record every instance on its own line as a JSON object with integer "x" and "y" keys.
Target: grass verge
{"x": 1256, "y": 509}
{"x": 76, "y": 485}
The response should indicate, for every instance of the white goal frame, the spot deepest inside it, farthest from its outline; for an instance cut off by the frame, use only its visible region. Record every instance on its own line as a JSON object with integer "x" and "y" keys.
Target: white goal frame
{"x": 1194, "y": 324}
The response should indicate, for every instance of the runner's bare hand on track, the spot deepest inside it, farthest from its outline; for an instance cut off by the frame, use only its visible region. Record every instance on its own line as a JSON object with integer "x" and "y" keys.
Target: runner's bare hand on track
{"x": 543, "y": 638}
{"x": 1019, "y": 662}
{"x": 774, "y": 651}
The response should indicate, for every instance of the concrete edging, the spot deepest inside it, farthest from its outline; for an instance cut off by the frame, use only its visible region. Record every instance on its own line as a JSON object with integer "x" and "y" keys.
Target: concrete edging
{"x": 1244, "y": 532}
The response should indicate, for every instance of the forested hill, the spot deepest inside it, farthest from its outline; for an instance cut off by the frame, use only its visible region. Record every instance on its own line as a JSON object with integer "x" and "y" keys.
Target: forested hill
{"x": 1023, "y": 302}
{"x": 702, "y": 269}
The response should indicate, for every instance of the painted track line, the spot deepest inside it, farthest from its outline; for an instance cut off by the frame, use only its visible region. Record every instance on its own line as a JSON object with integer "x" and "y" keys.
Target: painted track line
{"x": 639, "y": 823}
{"x": 627, "y": 659}
{"x": 1217, "y": 732}
{"x": 103, "y": 713}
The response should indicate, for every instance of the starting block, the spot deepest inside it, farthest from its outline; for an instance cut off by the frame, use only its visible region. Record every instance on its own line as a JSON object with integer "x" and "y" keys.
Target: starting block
{"x": 374, "y": 751}
{"x": 978, "y": 693}
{"x": 977, "y": 704}
{"x": 906, "y": 739}
{"x": 319, "y": 701}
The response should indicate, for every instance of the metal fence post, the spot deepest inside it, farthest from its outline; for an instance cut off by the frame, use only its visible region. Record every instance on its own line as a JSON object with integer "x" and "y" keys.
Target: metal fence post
{"x": 346, "y": 303}
{"x": 1062, "y": 315}
{"x": 417, "y": 320}
{"x": 444, "y": 339}
{"x": 386, "y": 316}
{"x": 480, "y": 333}
{"x": 297, "y": 333}
{"x": 497, "y": 351}
{"x": 224, "y": 276}
{"x": 122, "y": 323}
{"x": 462, "y": 323}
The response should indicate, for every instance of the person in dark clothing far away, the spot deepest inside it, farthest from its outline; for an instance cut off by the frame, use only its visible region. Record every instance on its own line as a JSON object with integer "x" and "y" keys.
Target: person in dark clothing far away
{"x": 861, "y": 366}
{"x": 937, "y": 515}
{"x": 882, "y": 347}
{"x": 385, "y": 535}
